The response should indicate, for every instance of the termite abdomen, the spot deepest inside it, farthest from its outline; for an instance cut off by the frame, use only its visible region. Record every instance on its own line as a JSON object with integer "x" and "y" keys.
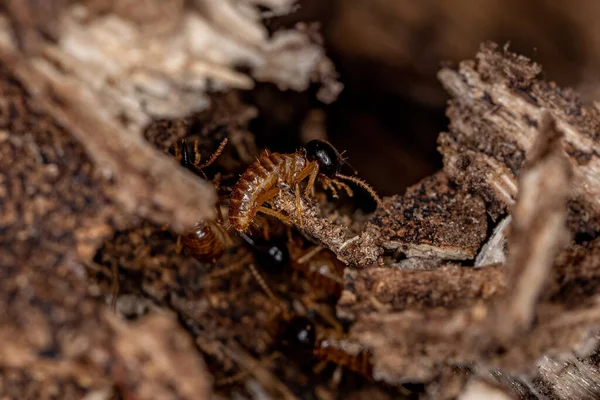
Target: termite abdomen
{"x": 203, "y": 242}
{"x": 347, "y": 354}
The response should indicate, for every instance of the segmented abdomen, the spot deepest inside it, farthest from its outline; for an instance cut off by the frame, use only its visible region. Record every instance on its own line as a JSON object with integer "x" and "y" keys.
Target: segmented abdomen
{"x": 262, "y": 175}
{"x": 325, "y": 272}
{"x": 335, "y": 352}
{"x": 203, "y": 242}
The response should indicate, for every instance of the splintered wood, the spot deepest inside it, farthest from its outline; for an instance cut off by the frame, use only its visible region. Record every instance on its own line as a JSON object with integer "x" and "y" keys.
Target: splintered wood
{"x": 80, "y": 81}
{"x": 105, "y": 71}
{"x": 495, "y": 115}
{"x": 529, "y": 151}
{"x": 482, "y": 279}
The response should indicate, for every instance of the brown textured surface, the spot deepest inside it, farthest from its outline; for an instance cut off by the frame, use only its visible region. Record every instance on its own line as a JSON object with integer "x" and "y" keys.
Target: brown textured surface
{"x": 396, "y": 290}
{"x": 434, "y": 218}
{"x": 57, "y": 336}
{"x": 53, "y": 200}
{"x": 496, "y": 109}
{"x": 576, "y": 275}
{"x": 75, "y": 167}
{"x": 514, "y": 329}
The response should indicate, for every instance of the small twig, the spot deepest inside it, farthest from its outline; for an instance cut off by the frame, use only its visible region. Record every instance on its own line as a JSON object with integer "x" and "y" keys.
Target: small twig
{"x": 361, "y": 250}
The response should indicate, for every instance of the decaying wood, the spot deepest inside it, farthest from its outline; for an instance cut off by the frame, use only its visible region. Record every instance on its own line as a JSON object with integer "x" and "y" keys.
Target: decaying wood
{"x": 452, "y": 286}
{"x": 496, "y": 110}
{"x": 433, "y": 219}
{"x": 511, "y": 331}
{"x": 360, "y": 249}
{"x": 80, "y": 86}
{"x": 537, "y": 228}
{"x": 57, "y": 335}
{"x": 112, "y": 68}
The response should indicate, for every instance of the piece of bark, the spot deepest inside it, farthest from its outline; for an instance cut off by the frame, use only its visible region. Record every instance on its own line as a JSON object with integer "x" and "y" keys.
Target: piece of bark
{"x": 569, "y": 379}
{"x": 447, "y": 287}
{"x": 433, "y": 219}
{"x": 537, "y": 229}
{"x": 487, "y": 334}
{"x": 361, "y": 249}
{"x": 496, "y": 110}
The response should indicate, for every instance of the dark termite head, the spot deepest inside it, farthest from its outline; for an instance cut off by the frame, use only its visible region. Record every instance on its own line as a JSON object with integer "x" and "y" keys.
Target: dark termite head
{"x": 328, "y": 158}
{"x": 298, "y": 334}
{"x": 272, "y": 256}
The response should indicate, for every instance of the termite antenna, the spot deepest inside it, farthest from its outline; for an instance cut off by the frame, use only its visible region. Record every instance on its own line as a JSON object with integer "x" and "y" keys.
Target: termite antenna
{"x": 362, "y": 184}
{"x": 214, "y": 156}
{"x": 264, "y": 286}
{"x": 345, "y": 161}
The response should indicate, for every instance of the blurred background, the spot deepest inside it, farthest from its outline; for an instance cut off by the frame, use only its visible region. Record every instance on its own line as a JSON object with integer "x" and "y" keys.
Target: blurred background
{"x": 388, "y": 53}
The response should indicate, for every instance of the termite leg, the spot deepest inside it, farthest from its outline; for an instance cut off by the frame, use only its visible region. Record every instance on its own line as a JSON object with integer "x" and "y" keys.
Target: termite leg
{"x": 311, "y": 170}
{"x": 265, "y": 287}
{"x": 197, "y": 155}
{"x": 325, "y": 314}
{"x": 343, "y": 186}
{"x": 268, "y": 195}
{"x": 177, "y": 150}
{"x": 309, "y": 254}
{"x": 328, "y": 185}
{"x": 233, "y": 267}
{"x": 242, "y": 374}
{"x": 310, "y": 186}
{"x": 278, "y": 215}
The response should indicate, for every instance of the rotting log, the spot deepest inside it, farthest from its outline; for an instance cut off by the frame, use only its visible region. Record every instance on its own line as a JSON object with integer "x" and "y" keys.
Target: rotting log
{"x": 75, "y": 167}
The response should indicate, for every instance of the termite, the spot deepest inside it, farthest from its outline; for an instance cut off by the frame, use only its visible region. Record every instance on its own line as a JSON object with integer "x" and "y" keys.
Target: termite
{"x": 207, "y": 240}
{"x": 299, "y": 335}
{"x": 260, "y": 183}
{"x": 320, "y": 267}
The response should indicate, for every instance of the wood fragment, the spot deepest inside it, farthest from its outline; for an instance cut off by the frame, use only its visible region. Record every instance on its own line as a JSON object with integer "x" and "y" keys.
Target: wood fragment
{"x": 433, "y": 219}
{"x": 361, "y": 249}
{"x": 537, "y": 230}
{"x": 497, "y": 108}
{"x": 516, "y": 329}
{"x": 447, "y": 287}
